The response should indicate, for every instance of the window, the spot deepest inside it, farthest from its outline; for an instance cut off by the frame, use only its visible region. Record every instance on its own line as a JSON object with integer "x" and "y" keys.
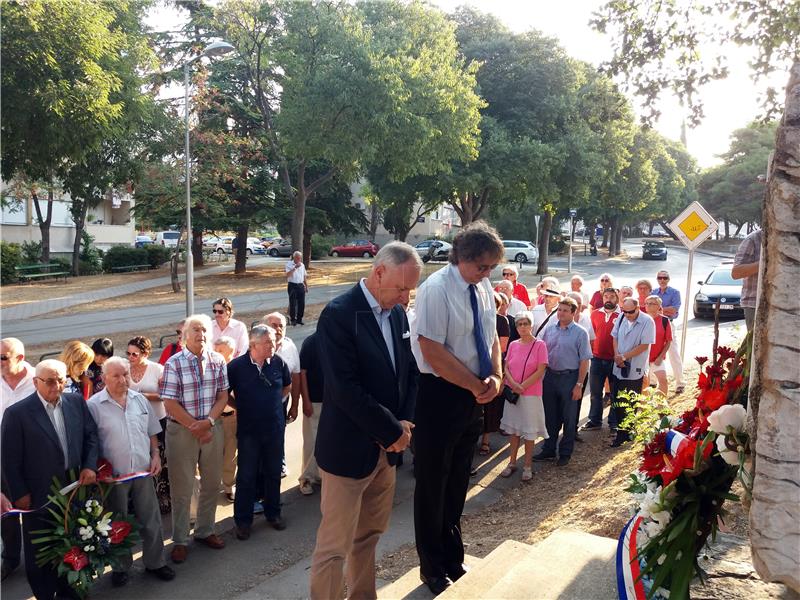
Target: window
{"x": 15, "y": 212}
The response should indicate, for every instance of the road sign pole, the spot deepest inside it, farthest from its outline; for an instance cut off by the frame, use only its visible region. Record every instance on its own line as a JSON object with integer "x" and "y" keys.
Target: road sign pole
{"x": 569, "y": 264}
{"x": 686, "y": 304}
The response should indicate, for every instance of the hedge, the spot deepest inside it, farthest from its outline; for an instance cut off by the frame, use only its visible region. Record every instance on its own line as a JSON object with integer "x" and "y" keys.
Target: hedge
{"x": 10, "y": 258}
{"x": 124, "y": 256}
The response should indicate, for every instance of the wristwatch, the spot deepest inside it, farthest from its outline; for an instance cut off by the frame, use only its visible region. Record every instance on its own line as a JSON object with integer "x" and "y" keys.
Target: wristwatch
{"x": 210, "y": 420}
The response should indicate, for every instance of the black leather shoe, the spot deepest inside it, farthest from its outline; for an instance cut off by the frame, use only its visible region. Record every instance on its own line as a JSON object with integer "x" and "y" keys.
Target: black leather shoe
{"x": 242, "y": 533}
{"x": 164, "y": 573}
{"x": 543, "y": 456}
{"x": 618, "y": 441}
{"x": 457, "y": 572}
{"x": 436, "y": 584}
{"x": 578, "y": 437}
{"x": 589, "y": 426}
{"x": 279, "y": 523}
{"x": 118, "y": 579}
{"x": 563, "y": 461}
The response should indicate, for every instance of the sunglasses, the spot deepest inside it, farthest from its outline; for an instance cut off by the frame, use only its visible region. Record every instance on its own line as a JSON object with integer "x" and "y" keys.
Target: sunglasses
{"x": 667, "y": 278}
{"x": 52, "y": 382}
{"x": 605, "y": 280}
{"x": 629, "y": 312}
{"x": 218, "y": 311}
{"x": 4, "y": 357}
{"x": 134, "y": 354}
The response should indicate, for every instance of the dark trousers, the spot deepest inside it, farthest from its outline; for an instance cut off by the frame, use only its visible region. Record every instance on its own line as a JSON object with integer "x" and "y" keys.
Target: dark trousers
{"x": 623, "y": 385}
{"x": 599, "y": 371}
{"x": 448, "y": 423}
{"x": 11, "y": 529}
{"x": 580, "y": 402}
{"x": 44, "y": 581}
{"x": 297, "y": 302}
{"x": 258, "y": 467}
{"x": 559, "y": 411}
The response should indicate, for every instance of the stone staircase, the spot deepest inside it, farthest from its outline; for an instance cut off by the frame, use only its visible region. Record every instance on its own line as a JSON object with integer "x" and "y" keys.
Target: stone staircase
{"x": 567, "y": 565}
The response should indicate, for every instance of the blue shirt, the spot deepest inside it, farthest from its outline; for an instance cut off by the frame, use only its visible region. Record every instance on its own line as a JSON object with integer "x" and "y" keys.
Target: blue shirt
{"x": 670, "y": 297}
{"x": 630, "y": 334}
{"x": 567, "y": 346}
{"x": 259, "y": 406}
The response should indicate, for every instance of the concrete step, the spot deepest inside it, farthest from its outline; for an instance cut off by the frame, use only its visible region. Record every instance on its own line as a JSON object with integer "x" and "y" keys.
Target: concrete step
{"x": 567, "y": 564}
{"x": 488, "y": 572}
{"x": 409, "y": 586}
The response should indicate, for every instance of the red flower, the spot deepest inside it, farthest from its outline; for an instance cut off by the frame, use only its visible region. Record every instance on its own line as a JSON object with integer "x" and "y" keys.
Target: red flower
{"x": 76, "y": 558}
{"x": 725, "y": 353}
{"x": 710, "y": 400}
{"x": 701, "y": 359}
{"x": 682, "y": 461}
{"x": 105, "y": 472}
{"x": 119, "y": 531}
{"x": 653, "y": 455}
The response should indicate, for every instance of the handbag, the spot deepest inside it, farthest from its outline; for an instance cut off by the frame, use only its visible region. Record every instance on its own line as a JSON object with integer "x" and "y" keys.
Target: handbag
{"x": 510, "y": 395}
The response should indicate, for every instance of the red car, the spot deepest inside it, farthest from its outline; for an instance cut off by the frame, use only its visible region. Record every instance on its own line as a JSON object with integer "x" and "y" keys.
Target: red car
{"x": 363, "y": 248}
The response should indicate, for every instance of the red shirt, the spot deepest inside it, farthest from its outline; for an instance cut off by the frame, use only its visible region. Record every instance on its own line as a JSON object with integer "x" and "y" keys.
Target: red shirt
{"x": 521, "y": 293}
{"x": 597, "y": 301}
{"x": 663, "y": 335}
{"x": 171, "y": 349}
{"x": 603, "y": 344}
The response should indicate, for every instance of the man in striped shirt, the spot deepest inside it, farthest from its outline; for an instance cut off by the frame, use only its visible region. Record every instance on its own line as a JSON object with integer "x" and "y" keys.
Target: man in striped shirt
{"x": 195, "y": 392}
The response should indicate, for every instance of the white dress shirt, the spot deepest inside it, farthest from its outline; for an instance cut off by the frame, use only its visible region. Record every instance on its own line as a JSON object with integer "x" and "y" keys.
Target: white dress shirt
{"x": 56, "y": 416}
{"x": 444, "y": 315}
{"x": 236, "y": 330}
{"x": 586, "y": 322}
{"x": 382, "y": 317}
{"x": 516, "y": 306}
{"x": 290, "y": 355}
{"x": 24, "y": 389}
{"x": 298, "y": 275}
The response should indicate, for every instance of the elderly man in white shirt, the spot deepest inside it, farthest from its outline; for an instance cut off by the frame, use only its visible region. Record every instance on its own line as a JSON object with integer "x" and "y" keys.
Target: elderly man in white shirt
{"x": 16, "y": 384}
{"x": 297, "y": 287}
{"x": 128, "y": 428}
{"x": 515, "y": 305}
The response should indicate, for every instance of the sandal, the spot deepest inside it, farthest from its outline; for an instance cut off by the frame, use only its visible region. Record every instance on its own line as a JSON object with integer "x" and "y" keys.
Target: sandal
{"x": 485, "y": 449}
{"x": 508, "y": 471}
{"x": 527, "y": 474}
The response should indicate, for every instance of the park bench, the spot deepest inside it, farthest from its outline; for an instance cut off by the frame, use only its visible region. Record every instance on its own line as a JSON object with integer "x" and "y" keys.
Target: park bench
{"x": 130, "y": 268}
{"x": 40, "y": 271}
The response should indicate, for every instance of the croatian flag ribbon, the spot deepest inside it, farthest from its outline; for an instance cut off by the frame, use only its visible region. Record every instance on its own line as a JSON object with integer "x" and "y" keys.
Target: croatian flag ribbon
{"x": 674, "y": 441}
{"x": 629, "y": 586}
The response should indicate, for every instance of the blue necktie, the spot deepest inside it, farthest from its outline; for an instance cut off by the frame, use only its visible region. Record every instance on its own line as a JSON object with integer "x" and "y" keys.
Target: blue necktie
{"x": 484, "y": 361}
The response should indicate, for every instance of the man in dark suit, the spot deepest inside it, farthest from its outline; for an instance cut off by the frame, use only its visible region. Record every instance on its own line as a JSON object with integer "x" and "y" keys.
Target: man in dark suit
{"x": 46, "y": 435}
{"x": 370, "y": 391}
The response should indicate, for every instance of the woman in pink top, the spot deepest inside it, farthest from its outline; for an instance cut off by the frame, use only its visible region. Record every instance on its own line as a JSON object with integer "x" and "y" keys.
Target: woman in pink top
{"x": 525, "y": 365}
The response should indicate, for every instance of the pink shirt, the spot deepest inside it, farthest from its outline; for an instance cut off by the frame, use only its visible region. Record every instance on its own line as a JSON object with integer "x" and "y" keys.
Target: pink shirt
{"x": 515, "y": 360}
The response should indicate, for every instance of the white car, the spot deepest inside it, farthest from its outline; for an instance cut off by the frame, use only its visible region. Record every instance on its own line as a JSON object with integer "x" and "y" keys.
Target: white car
{"x": 169, "y": 239}
{"x": 218, "y": 244}
{"x": 441, "y": 252}
{"x": 520, "y": 251}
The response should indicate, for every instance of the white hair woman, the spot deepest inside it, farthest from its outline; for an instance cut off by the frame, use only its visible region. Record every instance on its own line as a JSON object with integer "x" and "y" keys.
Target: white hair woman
{"x": 526, "y": 362}
{"x": 606, "y": 281}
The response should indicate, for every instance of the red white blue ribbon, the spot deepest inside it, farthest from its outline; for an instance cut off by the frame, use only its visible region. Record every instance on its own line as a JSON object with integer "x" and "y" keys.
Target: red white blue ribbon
{"x": 675, "y": 440}
{"x": 629, "y": 585}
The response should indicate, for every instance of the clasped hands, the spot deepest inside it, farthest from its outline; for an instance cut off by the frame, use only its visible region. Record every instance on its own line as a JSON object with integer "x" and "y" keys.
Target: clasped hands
{"x": 201, "y": 430}
{"x": 487, "y": 389}
{"x": 405, "y": 438}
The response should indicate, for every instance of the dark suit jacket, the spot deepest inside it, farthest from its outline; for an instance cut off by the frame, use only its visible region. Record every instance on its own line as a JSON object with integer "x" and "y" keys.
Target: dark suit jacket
{"x": 364, "y": 397}
{"x": 32, "y": 454}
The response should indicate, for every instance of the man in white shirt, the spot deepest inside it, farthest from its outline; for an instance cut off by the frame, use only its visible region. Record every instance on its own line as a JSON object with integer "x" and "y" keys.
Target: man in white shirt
{"x": 515, "y": 305}
{"x": 16, "y": 384}
{"x": 128, "y": 431}
{"x": 297, "y": 288}
{"x": 541, "y": 312}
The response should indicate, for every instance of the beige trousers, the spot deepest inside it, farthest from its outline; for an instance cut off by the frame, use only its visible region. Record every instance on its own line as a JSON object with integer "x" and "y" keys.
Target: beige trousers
{"x": 184, "y": 456}
{"x": 310, "y": 471}
{"x": 229, "y": 453}
{"x": 355, "y": 512}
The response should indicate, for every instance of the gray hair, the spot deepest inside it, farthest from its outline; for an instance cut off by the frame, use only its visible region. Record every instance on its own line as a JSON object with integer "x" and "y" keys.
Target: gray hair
{"x": 632, "y": 300}
{"x": 259, "y": 332}
{"x": 577, "y": 277}
{"x": 51, "y": 364}
{"x": 225, "y": 340}
{"x": 204, "y": 320}
{"x": 117, "y": 361}
{"x": 551, "y": 283}
{"x": 297, "y": 253}
{"x": 655, "y": 297}
{"x": 512, "y": 268}
{"x": 396, "y": 254}
{"x": 277, "y": 315}
{"x": 505, "y": 284}
{"x": 577, "y": 297}
{"x": 15, "y": 346}
{"x": 524, "y": 315}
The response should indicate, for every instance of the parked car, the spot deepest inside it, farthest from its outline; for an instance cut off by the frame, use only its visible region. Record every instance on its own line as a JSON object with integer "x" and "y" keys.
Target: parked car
{"x": 169, "y": 239}
{"x": 520, "y": 251}
{"x": 280, "y": 248}
{"x": 142, "y": 241}
{"x": 219, "y": 244}
{"x": 441, "y": 249}
{"x": 654, "y": 250}
{"x": 364, "y": 248}
{"x": 719, "y": 286}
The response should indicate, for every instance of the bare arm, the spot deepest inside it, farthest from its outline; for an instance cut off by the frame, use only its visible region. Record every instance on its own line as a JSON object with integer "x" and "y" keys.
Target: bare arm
{"x": 744, "y": 270}
{"x": 308, "y": 407}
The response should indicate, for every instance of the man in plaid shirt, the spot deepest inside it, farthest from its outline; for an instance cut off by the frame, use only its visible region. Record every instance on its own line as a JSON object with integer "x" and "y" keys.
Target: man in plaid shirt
{"x": 195, "y": 392}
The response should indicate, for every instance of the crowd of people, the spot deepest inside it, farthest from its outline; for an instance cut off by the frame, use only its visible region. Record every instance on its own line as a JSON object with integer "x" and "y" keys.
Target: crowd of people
{"x": 469, "y": 357}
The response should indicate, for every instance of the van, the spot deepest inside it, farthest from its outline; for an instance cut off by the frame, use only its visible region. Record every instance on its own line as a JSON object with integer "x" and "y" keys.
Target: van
{"x": 169, "y": 239}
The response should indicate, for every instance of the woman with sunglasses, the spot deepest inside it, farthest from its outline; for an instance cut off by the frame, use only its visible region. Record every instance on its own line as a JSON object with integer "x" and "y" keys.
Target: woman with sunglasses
{"x": 224, "y": 325}
{"x": 606, "y": 282}
{"x": 145, "y": 379}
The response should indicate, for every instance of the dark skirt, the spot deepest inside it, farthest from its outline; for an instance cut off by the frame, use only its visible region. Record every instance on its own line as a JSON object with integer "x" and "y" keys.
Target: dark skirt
{"x": 162, "y": 481}
{"x": 492, "y": 415}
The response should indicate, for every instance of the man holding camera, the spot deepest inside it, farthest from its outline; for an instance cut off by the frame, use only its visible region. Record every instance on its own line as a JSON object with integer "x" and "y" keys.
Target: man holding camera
{"x": 633, "y": 334}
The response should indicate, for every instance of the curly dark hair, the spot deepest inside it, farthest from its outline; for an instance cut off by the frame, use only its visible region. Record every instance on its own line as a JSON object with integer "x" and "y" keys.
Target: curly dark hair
{"x": 474, "y": 241}
{"x": 142, "y": 343}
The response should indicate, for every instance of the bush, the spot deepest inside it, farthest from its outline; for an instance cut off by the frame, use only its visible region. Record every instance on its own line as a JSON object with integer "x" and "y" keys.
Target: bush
{"x": 157, "y": 255}
{"x": 321, "y": 245}
{"x": 557, "y": 244}
{"x": 10, "y": 257}
{"x": 123, "y": 256}
{"x": 31, "y": 252}
{"x": 89, "y": 259}
{"x": 64, "y": 264}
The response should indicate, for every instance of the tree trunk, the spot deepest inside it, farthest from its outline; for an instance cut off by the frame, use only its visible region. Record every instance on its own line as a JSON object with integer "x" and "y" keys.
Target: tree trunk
{"x": 650, "y": 226}
{"x": 606, "y": 227}
{"x": 44, "y": 222}
{"x": 80, "y": 224}
{"x": 240, "y": 265}
{"x": 739, "y": 228}
{"x": 299, "y": 218}
{"x": 197, "y": 247}
{"x": 774, "y": 395}
{"x": 608, "y": 238}
{"x": 173, "y": 265}
{"x": 306, "y": 248}
{"x": 618, "y": 239}
{"x": 374, "y": 220}
{"x": 544, "y": 243}
{"x": 727, "y": 230}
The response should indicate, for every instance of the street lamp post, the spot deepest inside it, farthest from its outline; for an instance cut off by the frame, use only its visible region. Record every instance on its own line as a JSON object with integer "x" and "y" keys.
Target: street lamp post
{"x": 213, "y": 49}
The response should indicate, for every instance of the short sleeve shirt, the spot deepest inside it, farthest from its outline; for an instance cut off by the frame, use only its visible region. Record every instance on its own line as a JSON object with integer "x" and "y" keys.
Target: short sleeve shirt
{"x": 630, "y": 334}
{"x": 567, "y": 346}
{"x": 515, "y": 363}
{"x": 194, "y": 383}
{"x": 235, "y": 330}
{"x": 444, "y": 315}
{"x": 257, "y": 393}
{"x": 24, "y": 389}
{"x": 749, "y": 252}
{"x": 670, "y": 297}
{"x": 309, "y": 362}
{"x": 663, "y": 335}
{"x": 297, "y": 275}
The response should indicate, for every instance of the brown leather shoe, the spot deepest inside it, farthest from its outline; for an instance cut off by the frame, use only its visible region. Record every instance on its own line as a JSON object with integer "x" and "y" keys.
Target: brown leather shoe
{"x": 179, "y": 553}
{"x": 212, "y": 541}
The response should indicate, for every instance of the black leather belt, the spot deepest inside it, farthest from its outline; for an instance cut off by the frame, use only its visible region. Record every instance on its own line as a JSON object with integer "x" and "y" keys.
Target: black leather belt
{"x": 563, "y": 372}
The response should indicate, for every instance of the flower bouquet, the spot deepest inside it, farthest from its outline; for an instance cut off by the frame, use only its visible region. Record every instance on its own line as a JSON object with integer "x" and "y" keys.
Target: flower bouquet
{"x": 84, "y": 537}
{"x": 687, "y": 467}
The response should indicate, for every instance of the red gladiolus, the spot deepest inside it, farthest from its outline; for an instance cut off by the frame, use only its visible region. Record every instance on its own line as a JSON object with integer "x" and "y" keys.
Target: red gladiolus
{"x": 701, "y": 359}
{"x": 76, "y": 558}
{"x": 683, "y": 460}
{"x": 119, "y": 531}
{"x": 725, "y": 353}
{"x": 653, "y": 455}
{"x": 710, "y": 400}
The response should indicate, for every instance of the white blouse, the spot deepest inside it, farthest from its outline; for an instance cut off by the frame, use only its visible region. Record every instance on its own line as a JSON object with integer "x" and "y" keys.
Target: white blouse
{"x": 148, "y": 384}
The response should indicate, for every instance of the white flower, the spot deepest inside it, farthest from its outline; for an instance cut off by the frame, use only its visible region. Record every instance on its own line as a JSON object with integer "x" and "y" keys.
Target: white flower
{"x": 729, "y": 456}
{"x": 730, "y": 415}
{"x": 663, "y": 517}
{"x": 104, "y": 526}
{"x": 661, "y": 559}
{"x": 88, "y": 548}
{"x": 86, "y": 532}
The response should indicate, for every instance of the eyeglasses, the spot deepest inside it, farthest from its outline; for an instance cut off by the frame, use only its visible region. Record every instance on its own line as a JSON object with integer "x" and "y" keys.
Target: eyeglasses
{"x": 134, "y": 354}
{"x": 662, "y": 277}
{"x": 605, "y": 280}
{"x": 508, "y": 274}
{"x": 629, "y": 312}
{"x": 4, "y": 357}
{"x": 218, "y": 311}
{"x": 487, "y": 268}
{"x": 52, "y": 381}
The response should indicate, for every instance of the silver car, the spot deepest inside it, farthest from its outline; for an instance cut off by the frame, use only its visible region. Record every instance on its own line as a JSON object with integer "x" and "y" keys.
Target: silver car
{"x": 520, "y": 251}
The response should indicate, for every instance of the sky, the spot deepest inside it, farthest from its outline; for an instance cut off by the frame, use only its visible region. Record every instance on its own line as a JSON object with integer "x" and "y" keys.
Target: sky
{"x": 729, "y": 104}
